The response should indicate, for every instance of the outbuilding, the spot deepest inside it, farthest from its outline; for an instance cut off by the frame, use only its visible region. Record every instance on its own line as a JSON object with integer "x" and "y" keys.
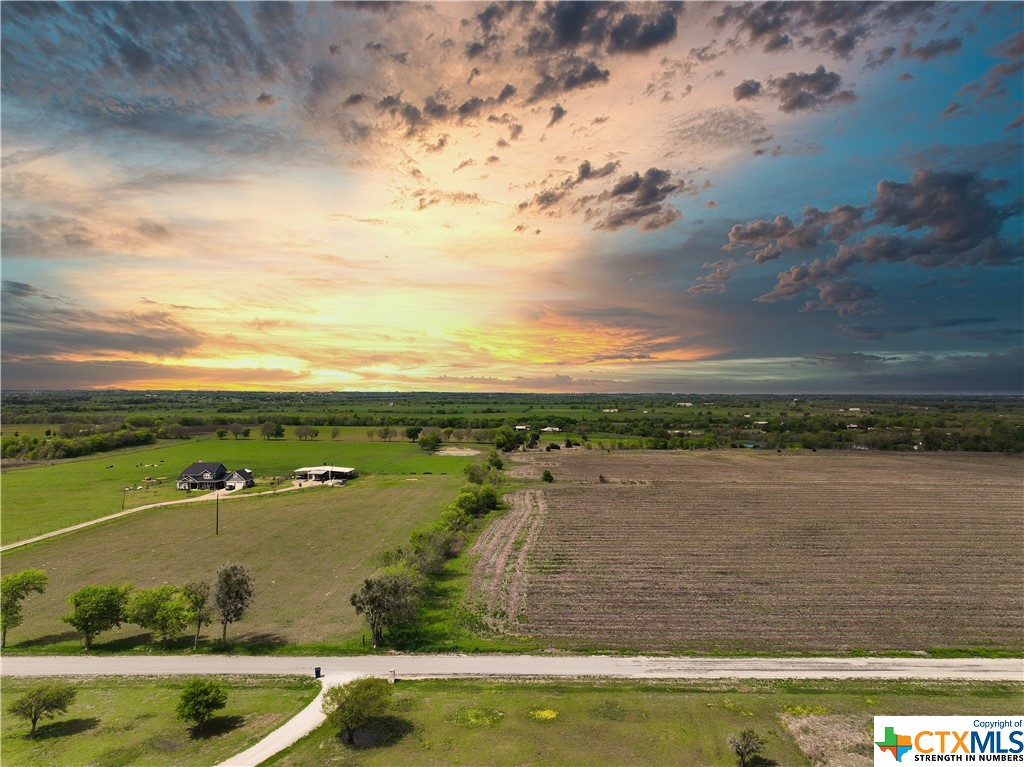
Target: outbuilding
{"x": 325, "y": 473}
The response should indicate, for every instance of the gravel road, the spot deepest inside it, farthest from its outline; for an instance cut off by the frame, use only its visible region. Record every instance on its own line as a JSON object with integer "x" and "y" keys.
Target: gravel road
{"x": 426, "y": 666}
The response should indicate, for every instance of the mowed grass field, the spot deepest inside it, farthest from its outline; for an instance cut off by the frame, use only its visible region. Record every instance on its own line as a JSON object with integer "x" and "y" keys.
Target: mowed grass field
{"x": 309, "y": 550}
{"x": 621, "y": 724}
{"x": 40, "y": 499}
{"x": 744, "y": 551}
{"x": 130, "y": 720}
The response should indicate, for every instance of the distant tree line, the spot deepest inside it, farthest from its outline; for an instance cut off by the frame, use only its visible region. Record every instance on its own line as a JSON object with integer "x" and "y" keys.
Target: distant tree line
{"x": 87, "y": 422}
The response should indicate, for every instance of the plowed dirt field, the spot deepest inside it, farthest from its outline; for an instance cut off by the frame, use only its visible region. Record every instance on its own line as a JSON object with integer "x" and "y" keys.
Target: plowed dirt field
{"x": 750, "y": 551}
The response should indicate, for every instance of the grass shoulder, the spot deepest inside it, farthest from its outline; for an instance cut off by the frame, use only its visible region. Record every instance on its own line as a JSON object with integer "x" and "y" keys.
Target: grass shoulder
{"x": 130, "y": 720}
{"x": 509, "y": 722}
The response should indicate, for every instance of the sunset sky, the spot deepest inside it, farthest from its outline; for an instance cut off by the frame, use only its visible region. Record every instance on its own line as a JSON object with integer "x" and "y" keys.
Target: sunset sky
{"x": 698, "y": 197}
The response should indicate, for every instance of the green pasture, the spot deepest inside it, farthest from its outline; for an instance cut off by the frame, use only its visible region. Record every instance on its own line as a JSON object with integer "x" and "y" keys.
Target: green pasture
{"x": 594, "y": 724}
{"x": 39, "y": 499}
{"x": 118, "y": 721}
{"x": 308, "y": 549}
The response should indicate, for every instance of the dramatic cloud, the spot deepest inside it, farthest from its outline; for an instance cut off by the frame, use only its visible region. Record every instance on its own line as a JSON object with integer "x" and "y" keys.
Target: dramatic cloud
{"x": 638, "y": 200}
{"x": 338, "y": 188}
{"x": 799, "y": 91}
{"x": 572, "y": 74}
{"x": 837, "y": 28}
{"x": 72, "y": 330}
{"x": 747, "y": 89}
{"x": 557, "y": 113}
{"x": 567, "y": 26}
{"x": 961, "y": 227}
{"x": 932, "y": 49}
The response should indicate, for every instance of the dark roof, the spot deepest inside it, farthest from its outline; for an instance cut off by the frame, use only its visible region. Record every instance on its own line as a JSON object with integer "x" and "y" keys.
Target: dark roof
{"x": 201, "y": 467}
{"x": 243, "y": 473}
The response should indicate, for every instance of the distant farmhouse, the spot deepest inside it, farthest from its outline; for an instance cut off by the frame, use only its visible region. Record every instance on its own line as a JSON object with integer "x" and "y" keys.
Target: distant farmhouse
{"x": 325, "y": 473}
{"x": 203, "y": 475}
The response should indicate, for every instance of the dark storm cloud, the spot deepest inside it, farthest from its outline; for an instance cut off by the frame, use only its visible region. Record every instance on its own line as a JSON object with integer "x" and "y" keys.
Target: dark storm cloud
{"x": 877, "y": 332}
{"x": 836, "y": 225}
{"x": 637, "y": 200}
{"x": 180, "y": 47}
{"x": 14, "y": 289}
{"x": 632, "y": 34}
{"x": 586, "y": 172}
{"x": 34, "y": 329}
{"x": 836, "y": 28}
{"x": 439, "y": 109}
{"x": 556, "y": 29}
{"x": 955, "y": 209}
{"x": 557, "y": 113}
{"x": 932, "y": 49}
{"x": 960, "y": 225}
{"x": 572, "y": 74}
{"x": 747, "y": 89}
{"x": 855, "y": 362}
{"x": 844, "y": 296}
{"x": 801, "y": 91}
{"x": 996, "y": 371}
{"x": 567, "y": 25}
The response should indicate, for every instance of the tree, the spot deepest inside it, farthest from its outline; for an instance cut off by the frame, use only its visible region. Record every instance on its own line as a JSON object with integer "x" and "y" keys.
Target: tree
{"x": 507, "y": 439}
{"x": 272, "y": 430}
{"x": 97, "y": 609}
{"x": 306, "y": 432}
{"x": 391, "y": 598}
{"x": 356, "y": 703}
{"x": 199, "y": 699}
{"x": 43, "y": 701}
{"x": 745, "y": 744}
{"x": 14, "y": 587}
{"x": 197, "y": 593}
{"x": 222, "y": 433}
{"x": 431, "y": 548}
{"x": 164, "y": 611}
{"x": 412, "y": 433}
{"x": 547, "y": 476}
{"x": 232, "y": 595}
{"x": 430, "y": 442}
{"x": 335, "y": 432}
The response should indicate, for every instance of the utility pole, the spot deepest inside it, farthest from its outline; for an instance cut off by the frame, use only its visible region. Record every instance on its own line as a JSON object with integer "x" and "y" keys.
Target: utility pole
{"x": 217, "y": 515}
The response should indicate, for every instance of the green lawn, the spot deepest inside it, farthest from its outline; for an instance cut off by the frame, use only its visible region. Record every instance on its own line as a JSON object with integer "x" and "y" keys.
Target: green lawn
{"x": 308, "y": 550}
{"x": 130, "y": 720}
{"x": 494, "y": 723}
{"x": 39, "y": 499}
